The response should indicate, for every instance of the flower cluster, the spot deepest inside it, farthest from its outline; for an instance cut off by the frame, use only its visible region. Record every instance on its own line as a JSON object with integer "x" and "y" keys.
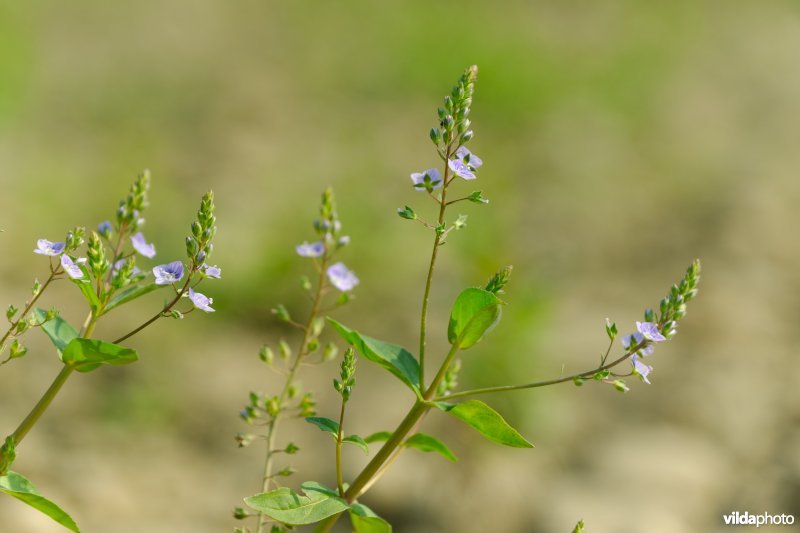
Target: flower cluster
{"x": 328, "y": 229}
{"x": 660, "y": 327}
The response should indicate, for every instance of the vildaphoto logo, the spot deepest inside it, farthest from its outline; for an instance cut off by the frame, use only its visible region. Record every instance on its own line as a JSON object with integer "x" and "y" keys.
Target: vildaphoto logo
{"x": 746, "y": 519}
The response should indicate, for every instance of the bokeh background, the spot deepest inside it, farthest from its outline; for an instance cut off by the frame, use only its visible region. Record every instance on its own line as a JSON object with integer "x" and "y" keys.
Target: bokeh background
{"x": 621, "y": 140}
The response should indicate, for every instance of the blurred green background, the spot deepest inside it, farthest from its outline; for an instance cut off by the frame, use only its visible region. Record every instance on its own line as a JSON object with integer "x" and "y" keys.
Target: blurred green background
{"x": 621, "y": 140}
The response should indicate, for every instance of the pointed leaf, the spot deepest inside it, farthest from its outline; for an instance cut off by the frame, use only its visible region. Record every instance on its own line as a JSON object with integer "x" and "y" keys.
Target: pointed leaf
{"x": 393, "y": 358}
{"x": 428, "y": 443}
{"x": 288, "y": 507}
{"x": 475, "y": 312}
{"x": 59, "y": 330}
{"x": 358, "y": 441}
{"x": 325, "y": 424}
{"x": 380, "y": 436}
{"x": 130, "y": 293}
{"x": 365, "y": 520}
{"x": 87, "y": 354}
{"x": 488, "y": 423}
{"x": 20, "y": 488}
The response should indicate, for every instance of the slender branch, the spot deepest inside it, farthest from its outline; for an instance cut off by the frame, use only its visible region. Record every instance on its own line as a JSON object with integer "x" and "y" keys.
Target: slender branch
{"x": 536, "y": 384}
{"x": 166, "y": 308}
{"x": 29, "y": 306}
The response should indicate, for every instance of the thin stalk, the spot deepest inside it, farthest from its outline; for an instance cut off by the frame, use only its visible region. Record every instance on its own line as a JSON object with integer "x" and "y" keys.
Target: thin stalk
{"x": 423, "y": 321}
{"x": 301, "y": 353}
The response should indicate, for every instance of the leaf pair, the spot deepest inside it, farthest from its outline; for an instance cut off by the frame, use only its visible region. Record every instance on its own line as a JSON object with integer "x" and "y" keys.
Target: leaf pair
{"x": 317, "y": 503}
{"x": 84, "y": 355}
{"x": 332, "y": 427}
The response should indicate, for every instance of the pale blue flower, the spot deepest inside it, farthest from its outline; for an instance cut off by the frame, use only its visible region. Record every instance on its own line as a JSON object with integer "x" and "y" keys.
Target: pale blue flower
{"x": 344, "y": 240}
{"x": 427, "y": 180}
{"x": 201, "y": 301}
{"x": 141, "y": 246}
{"x": 104, "y": 229}
{"x": 69, "y": 266}
{"x": 472, "y": 160}
{"x": 641, "y": 369}
{"x": 45, "y": 247}
{"x": 650, "y": 331}
{"x": 315, "y": 249}
{"x": 461, "y": 169}
{"x": 212, "y": 271}
{"x": 168, "y": 273}
{"x": 341, "y": 277}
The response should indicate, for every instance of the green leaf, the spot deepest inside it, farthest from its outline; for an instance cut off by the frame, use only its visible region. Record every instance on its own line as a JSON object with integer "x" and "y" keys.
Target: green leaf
{"x": 288, "y": 507}
{"x": 130, "y": 293}
{"x": 475, "y": 312}
{"x": 358, "y": 441}
{"x": 578, "y": 527}
{"x": 380, "y": 436}
{"x": 365, "y": 520}
{"x": 325, "y": 424}
{"x": 393, "y": 358}
{"x": 489, "y": 423}
{"x": 87, "y": 354}
{"x": 59, "y": 330}
{"x": 20, "y": 488}
{"x": 428, "y": 443}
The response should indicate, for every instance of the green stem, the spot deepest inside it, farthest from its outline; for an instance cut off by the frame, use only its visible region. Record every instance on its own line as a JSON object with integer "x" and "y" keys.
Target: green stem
{"x": 51, "y": 392}
{"x": 423, "y": 321}
{"x": 301, "y": 353}
{"x": 339, "y": 437}
{"x": 42, "y": 405}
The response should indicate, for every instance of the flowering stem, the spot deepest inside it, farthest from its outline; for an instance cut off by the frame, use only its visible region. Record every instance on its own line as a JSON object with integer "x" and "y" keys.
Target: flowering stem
{"x": 423, "y": 321}
{"x": 301, "y": 353}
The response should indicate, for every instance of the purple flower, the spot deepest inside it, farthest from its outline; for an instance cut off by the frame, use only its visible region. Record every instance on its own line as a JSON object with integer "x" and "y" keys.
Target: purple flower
{"x": 461, "y": 169}
{"x": 315, "y": 249}
{"x": 650, "y": 331}
{"x": 201, "y": 301}
{"x": 104, "y": 228}
{"x": 641, "y": 369}
{"x": 141, "y": 246}
{"x": 69, "y": 266}
{"x": 212, "y": 271}
{"x": 45, "y": 247}
{"x": 637, "y": 338}
{"x": 341, "y": 277}
{"x": 169, "y": 273}
{"x": 121, "y": 263}
{"x": 427, "y": 180}
{"x": 469, "y": 158}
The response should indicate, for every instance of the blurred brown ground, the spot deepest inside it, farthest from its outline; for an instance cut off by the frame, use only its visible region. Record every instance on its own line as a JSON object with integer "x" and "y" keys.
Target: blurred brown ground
{"x": 621, "y": 140}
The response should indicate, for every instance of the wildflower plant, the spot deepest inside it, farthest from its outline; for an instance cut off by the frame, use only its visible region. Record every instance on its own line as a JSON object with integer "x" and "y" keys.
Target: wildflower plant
{"x": 106, "y": 274}
{"x": 475, "y": 312}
